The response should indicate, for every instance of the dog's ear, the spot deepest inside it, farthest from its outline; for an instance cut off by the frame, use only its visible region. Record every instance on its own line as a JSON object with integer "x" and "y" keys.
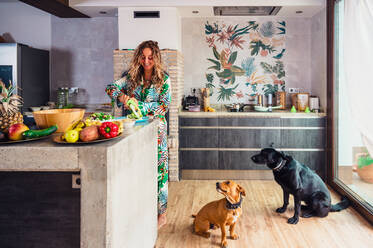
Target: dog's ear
{"x": 241, "y": 190}
{"x": 285, "y": 156}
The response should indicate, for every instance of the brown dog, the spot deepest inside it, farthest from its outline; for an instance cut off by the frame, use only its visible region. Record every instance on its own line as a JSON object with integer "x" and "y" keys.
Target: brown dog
{"x": 221, "y": 213}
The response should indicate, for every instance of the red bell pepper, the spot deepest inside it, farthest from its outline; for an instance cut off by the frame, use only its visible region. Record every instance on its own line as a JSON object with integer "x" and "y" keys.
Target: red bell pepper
{"x": 108, "y": 130}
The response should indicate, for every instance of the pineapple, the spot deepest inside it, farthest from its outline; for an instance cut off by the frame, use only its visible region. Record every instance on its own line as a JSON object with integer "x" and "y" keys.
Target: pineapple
{"x": 9, "y": 107}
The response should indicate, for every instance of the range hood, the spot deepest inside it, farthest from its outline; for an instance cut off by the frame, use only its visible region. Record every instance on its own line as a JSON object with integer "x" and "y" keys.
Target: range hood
{"x": 58, "y": 8}
{"x": 246, "y": 10}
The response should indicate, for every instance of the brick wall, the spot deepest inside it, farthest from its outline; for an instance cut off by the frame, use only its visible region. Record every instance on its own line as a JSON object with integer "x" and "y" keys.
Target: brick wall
{"x": 173, "y": 64}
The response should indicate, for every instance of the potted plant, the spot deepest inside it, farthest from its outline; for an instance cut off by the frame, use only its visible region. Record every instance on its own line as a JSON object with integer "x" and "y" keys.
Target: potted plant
{"x": 364, "y": 167}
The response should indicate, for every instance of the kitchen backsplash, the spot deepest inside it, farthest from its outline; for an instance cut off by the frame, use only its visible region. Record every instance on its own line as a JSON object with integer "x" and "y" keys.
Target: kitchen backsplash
{"x": 237, "y": 57}
{"x": 245, "y": 59}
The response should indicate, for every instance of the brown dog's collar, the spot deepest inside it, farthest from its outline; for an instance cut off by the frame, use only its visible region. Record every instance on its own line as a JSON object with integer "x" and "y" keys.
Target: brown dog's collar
{"x": 231, "y": 206}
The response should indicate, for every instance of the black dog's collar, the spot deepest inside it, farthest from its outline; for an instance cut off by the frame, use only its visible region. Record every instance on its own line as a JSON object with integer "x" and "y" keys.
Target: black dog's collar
{"x": 280, "y": 165}
{"x": 230, "y": 206}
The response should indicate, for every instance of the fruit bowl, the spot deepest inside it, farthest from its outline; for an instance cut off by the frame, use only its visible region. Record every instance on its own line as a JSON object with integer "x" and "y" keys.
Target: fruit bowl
{"x": 63, "y": 118}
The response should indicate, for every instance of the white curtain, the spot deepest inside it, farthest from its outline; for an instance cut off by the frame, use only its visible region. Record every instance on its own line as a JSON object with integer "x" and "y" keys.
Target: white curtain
{"x": 358, "y": 64}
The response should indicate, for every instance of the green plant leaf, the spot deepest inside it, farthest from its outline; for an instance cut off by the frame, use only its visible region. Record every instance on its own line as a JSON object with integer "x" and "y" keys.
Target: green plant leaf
{"x": 224, "y": 74}
{"x": 282, "y": 30}
{"x": 237, "y": 71}
{"x": 209, "y": 77}
{"x": 226, "y": 94}
{"x": 255, "y": 47}
{"x": 214, "y": 61}
{"x": 217, "y": 64}
{"x": 266, "y": 67}
{"x": 364, "y": 161}
{"x": 233, "y": 78}
{"x": 216, "y": 54}
{"x": 232, "y": 58}
{"x": 217, "y": 68}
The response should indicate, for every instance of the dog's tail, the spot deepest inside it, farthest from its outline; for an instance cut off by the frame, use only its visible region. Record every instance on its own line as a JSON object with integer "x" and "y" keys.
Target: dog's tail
{"x": 345, "y": 203}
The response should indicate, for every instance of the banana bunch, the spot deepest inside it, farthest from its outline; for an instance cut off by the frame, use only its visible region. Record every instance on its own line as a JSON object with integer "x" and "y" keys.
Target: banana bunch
{"x": 74, "y": 128}
{"x": 209, "y": 109}
{"x": 89, "y": 122}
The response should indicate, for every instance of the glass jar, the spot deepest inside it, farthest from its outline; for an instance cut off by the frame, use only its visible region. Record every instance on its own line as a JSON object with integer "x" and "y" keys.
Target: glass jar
{"x": 61, "y": 97}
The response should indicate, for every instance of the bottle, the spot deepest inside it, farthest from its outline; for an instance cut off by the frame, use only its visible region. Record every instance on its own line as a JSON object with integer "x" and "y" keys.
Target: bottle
{"x": 61, "y": 97}
{"x": 269, "y": 102}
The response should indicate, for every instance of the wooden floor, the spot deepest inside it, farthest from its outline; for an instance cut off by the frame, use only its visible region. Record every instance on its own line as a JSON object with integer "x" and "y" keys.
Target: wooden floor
{"x": 260, "y": 225}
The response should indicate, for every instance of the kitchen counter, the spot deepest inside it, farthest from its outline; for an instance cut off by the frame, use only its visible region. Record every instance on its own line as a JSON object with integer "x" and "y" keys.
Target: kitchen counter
{"x": 253, "y": 114}
{"x": 118, "y": 183}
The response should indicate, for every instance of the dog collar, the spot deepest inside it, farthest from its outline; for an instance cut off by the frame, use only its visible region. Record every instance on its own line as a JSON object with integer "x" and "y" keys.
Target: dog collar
{"x": 229, "y": 205}
{"x": 280, "y": 165}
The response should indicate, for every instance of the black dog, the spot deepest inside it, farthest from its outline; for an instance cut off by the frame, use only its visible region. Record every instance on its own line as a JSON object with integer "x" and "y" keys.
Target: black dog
{"x": 300, "y": 181}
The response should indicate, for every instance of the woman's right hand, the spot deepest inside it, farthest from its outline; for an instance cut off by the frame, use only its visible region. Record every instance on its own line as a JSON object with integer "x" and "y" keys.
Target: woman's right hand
{"x": 123, "y": 99}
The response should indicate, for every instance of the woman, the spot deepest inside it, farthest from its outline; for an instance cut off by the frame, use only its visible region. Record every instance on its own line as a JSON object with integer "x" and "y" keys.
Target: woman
{"x": 149, "y": 86}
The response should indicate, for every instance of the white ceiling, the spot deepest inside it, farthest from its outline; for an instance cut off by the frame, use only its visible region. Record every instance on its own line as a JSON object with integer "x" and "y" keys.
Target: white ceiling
{"x": 204, "y": 7}
{"x": 92, "y": 8}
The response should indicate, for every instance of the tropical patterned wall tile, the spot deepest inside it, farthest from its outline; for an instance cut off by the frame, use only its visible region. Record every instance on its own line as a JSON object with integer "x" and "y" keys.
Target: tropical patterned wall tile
{"x": 246, "y": 59}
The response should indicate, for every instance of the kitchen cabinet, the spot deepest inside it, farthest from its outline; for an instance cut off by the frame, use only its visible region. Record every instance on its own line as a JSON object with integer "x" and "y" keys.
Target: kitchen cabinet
{"x": 228, "y": 142}
{"x": 40, "y": 208}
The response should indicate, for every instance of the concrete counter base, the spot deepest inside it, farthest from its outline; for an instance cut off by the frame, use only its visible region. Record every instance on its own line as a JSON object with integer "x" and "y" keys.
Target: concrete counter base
{"x": 118, "y": 184}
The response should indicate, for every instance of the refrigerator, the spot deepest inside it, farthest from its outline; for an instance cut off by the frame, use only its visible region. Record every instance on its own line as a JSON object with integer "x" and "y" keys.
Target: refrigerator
{"x": 26, "y": 68}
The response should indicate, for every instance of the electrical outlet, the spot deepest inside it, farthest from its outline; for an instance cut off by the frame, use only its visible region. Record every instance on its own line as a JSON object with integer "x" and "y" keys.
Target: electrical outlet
{"x": 291, "y": 90}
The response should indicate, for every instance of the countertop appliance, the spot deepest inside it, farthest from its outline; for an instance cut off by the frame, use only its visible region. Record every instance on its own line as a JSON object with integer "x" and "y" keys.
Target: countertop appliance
{"x": 26, "y": 68}
{"x": 190, "y": 100}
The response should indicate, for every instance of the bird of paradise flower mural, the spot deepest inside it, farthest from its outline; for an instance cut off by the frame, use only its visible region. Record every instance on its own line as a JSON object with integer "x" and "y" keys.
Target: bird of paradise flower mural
{"x": 241, "y": 64}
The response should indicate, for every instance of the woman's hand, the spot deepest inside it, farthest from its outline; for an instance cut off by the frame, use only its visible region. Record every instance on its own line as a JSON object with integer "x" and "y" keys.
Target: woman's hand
{"x": 124, "y": 99}
{"x": 134, "y": 100}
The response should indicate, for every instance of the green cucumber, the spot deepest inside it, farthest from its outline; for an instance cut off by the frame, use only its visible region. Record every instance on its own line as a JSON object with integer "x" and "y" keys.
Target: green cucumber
{"x": 32, "y": 134}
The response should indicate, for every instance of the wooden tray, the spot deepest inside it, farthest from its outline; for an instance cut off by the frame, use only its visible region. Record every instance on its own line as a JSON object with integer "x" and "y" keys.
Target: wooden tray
{"x": 58, "y": 140}
{"x": 24, "y": 140}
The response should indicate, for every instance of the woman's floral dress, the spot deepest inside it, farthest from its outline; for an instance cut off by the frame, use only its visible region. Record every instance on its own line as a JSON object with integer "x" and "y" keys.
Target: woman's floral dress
{"x": 151, "y": 102}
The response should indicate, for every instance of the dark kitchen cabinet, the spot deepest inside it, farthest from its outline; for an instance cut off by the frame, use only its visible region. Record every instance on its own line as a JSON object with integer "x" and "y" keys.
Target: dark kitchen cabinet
{"x": 39, "y": 209}
{"x": 226, "y": 143}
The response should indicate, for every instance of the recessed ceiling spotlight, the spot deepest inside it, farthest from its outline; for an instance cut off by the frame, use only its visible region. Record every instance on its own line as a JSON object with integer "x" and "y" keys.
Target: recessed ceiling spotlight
{"x": 195, "y": 11}
{"x": 299, "y": 12}
{"x": 103, "y": 12}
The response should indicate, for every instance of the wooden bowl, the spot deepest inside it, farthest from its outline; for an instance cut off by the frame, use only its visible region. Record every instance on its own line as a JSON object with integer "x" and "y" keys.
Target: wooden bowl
{"x": 63, "y": 118}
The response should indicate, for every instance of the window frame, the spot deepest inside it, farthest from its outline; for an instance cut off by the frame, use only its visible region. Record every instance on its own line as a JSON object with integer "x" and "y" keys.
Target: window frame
{"x": 332, "y": 122}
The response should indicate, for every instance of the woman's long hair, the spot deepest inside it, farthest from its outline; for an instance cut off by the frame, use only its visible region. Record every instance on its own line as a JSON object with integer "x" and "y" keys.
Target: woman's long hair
{"x": 136, "y": 71}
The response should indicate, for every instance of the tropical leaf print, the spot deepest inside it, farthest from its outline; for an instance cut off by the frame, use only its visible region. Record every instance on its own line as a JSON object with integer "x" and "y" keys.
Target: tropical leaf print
{"x": 282, "y": 27}
{"x": 267, "y": 29}
{"x": 209, "y": 77}
{"x": 262, "y": 67}
{"x": 257, "y": 45}
{"x": 253, "y": 25}
{"x": 237, "y": 71}
{"x": 270, "y": 89}
{"x": 224, "y": 74}
{"x": 253, "y": 79}
{"x": 232, "y": 58}
{"x": 216, "y": 54}
{"x": 278, "y": 68}
{"x": 209, "y": 29}
{"x": 248, "y": 65}
{"x": 216, "y": 66}
{"x": 226, "y": 93}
